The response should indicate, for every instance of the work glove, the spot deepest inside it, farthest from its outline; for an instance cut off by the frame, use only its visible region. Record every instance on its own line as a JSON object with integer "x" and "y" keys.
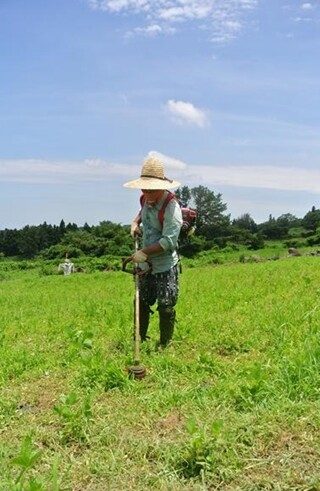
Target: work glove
{"x": 135, "y": 230}
{"x": 139, "y": 257}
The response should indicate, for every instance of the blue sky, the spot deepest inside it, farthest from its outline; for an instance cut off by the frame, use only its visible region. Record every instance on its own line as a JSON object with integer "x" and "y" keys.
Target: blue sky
{"x": 226, "y": 91}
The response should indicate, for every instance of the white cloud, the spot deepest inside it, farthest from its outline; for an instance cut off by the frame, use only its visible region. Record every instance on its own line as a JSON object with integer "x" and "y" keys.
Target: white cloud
{"x": 152, "y": 30}
{"x": 224, "y": 18}
{"x": 307, "y": 6}
{"x": 42, "y": 171}
{"x": 193, "y": 10}
{"x": 168, "y": 161}
{"x": 185, "y": 112}
{"x": 302, "y": 19}
{"x": 260, "y": 177}
{"x": 98, "y": 170}
{"x": 305, "y": 13}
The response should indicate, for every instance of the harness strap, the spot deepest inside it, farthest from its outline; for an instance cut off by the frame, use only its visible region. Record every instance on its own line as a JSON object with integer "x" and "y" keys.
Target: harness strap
{"x": 169, "y": 197}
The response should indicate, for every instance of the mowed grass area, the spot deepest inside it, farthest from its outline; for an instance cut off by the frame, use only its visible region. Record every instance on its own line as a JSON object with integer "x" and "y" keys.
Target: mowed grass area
{"x": 234, "y": 405}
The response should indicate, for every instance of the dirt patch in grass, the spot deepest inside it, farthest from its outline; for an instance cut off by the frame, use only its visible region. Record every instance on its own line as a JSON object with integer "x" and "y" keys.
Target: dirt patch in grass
{"x": 41, "y": 394}
{"x": 171, "y": 422}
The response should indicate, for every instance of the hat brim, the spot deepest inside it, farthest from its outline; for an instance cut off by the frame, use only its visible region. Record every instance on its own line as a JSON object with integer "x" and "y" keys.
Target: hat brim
{"x": 151, "y": 183}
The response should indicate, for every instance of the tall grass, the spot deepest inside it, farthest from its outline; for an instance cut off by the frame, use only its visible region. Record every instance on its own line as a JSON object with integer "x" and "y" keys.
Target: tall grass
{"x": 234, "y": 405}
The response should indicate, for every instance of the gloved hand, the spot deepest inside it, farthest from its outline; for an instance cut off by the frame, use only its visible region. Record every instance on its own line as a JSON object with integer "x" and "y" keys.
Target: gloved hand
{"x": 135, "y": 230}
{"x": 139, "y": 257}
{"x": 191, "y": 231}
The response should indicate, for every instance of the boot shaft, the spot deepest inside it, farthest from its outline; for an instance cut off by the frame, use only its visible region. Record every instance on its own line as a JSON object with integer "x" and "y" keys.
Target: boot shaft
{"x": 167, "y": 317}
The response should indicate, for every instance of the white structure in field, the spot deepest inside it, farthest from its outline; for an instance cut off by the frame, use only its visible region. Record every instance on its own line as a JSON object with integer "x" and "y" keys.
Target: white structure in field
{"x": 67, "y": 267}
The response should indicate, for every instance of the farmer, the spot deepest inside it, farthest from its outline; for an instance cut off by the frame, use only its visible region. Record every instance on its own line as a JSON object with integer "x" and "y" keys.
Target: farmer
{"x": 160, "y": 284}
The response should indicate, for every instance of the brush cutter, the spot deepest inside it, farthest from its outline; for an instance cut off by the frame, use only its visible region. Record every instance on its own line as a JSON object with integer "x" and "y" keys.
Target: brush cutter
{"x": 137, "y": 370}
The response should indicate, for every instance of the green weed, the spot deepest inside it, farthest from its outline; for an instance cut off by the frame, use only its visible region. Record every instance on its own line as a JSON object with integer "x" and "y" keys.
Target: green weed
{"x": 209, "y": 454}
{"x": 75, "y": 418}
{"x": 26, "y": 460}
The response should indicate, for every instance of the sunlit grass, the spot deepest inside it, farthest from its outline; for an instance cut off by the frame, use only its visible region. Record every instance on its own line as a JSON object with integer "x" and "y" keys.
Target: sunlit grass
{"x": 234, "y": 405}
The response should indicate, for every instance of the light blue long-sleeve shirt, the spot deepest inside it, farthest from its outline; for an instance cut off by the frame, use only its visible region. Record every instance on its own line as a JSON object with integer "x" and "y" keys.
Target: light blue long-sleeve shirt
{"x": 167, "y": 234}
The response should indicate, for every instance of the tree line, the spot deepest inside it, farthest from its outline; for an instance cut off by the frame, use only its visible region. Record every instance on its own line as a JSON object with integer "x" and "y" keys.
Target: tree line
{"x": 214, "y": 228}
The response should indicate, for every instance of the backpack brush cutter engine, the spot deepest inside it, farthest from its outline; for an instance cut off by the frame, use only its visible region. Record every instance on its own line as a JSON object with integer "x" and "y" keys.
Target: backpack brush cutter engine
{"x": 137, "y": 370}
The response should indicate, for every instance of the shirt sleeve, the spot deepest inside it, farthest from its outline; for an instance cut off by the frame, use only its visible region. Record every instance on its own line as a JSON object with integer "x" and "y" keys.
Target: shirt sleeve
{"x": 171, "y": 226}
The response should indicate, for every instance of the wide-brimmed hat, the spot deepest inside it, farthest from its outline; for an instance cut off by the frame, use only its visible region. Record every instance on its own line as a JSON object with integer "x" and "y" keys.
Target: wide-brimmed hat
{"x": 152, "y": 177}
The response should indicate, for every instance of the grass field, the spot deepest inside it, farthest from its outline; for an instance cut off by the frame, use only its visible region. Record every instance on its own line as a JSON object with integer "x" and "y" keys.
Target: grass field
{"x": 233, "y": 405}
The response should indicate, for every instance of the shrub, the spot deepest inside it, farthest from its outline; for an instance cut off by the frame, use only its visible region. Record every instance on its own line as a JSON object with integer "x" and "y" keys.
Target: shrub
{"x": 295, "y": 243}
{"x": 313, "y": 240}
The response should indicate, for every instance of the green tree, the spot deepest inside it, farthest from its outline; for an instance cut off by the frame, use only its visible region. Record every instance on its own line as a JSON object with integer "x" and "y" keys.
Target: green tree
{"x": 245, "y": 222}
{"x": 211, "y": 221}
{"x": 184, "y": 195}
{"x": 255, "y": 242}
{"x": 86, "y": 242}
{"x": 62, "y": 229}
{"x": 28, "y": 244}
{"x": 288, "y": 221}
{"x": 272, "y": 229}
{"x": 9, "y": 242}
{"x": 311, "y": 220}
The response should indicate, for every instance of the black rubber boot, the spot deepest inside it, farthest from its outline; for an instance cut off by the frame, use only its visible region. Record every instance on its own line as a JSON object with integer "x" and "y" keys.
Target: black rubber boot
{"x": 144, "y": 317}
{"x": 167, "y": 317}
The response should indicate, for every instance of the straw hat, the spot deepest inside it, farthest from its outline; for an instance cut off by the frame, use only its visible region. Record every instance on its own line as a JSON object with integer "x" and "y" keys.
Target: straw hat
{"x": 152, "y": 177}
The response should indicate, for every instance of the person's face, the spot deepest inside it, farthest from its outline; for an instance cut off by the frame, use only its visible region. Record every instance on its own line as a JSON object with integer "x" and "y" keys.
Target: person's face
{"x": 152, "y": 196}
